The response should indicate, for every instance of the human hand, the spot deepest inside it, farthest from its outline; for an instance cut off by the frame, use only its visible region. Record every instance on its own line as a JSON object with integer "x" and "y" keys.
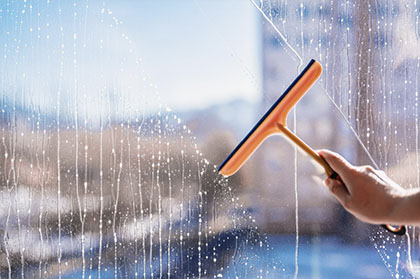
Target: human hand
{"x": 369, "y": 194}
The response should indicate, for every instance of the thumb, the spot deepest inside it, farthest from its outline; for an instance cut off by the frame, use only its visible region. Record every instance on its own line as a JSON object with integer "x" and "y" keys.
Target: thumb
{"x": 338, "y": 190}
{"x": 337, "y": 163}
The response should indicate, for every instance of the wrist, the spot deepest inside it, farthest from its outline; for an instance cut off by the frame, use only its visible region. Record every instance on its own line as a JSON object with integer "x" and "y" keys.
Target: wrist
{"x": 405, "y": 209}
{"x": 397, "y": 208}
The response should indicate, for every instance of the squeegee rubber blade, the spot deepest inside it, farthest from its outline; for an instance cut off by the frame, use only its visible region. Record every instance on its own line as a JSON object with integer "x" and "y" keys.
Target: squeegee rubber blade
{"x": 266, "y": 114}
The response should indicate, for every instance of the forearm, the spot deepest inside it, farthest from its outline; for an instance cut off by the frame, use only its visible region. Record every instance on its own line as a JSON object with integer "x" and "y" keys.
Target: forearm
{"x": 407, "y": 209}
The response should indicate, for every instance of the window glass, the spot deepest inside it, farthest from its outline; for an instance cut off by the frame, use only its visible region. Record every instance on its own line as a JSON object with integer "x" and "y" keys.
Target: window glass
{"x": 107, "y": 173}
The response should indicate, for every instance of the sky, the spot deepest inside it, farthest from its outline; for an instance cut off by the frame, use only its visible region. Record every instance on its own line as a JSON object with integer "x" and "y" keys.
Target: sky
{"x": 198, "y": 53}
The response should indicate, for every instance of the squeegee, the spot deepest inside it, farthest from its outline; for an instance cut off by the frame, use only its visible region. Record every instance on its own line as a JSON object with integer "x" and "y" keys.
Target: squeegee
{"x": 274, "y": 122}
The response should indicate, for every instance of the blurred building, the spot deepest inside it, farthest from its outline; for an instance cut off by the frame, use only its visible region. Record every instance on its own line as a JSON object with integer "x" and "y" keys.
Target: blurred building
{"x": 316, "y": 123}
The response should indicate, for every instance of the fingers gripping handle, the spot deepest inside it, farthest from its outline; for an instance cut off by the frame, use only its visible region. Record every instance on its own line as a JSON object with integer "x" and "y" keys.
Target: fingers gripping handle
{"x": 399, "y": 230}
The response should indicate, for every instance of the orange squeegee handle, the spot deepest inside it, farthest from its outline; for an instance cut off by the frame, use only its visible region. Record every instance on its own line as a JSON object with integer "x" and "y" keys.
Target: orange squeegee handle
{"x": 308, "y": 150}
{"x": 399, "y": 230}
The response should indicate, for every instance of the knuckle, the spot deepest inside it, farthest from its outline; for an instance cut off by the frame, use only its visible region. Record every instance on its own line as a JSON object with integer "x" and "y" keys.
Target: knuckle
{"x": 370, "y": 169}
{"x": 365, "y": 169}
